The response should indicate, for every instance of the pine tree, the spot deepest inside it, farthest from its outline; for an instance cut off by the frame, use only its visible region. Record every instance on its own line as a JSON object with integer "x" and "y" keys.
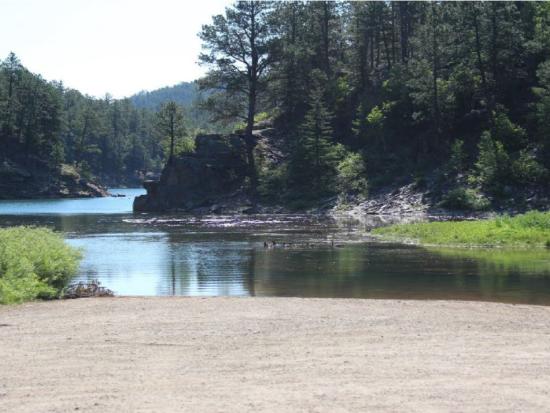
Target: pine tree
{"x": 314, "y": 157}
{"x": 237, "y": 45}
{"x": 171, "y": 126}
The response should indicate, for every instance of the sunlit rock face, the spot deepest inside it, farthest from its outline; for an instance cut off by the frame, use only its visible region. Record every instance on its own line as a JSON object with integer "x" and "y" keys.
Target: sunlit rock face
{"x": 213, "y": 179}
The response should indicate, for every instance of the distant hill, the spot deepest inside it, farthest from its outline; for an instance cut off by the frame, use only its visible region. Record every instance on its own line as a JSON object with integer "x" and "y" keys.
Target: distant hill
{"x": 184, "y": 93}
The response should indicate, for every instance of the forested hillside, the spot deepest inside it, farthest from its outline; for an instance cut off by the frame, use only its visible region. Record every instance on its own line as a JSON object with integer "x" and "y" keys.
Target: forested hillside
{"x": 449, "y": 96}
{"x": 184, "y": 94}
{"x": 454, "y": 95}
{"x": 44, "y": 125}
{"x": 188, "y": 96}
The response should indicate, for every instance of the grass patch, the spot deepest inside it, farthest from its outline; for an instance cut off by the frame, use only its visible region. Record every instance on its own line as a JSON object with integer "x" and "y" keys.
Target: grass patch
{"x": 34, "y": 263}
{"x": 528, "y": 230}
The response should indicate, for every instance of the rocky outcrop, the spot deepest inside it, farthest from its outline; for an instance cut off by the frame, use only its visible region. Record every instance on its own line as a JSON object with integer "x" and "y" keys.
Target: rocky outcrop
{"x": 18, "y": 182}
{"x": 404, "y": 200}
{"x": 213, "y": 178}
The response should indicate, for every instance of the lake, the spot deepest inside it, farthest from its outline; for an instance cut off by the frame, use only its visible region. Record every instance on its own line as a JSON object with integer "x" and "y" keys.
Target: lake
{"x": 147, "y": 254}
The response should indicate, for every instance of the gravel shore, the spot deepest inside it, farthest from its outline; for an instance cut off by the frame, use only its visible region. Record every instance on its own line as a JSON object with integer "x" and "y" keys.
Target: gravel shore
{"x": 273, "y": 355}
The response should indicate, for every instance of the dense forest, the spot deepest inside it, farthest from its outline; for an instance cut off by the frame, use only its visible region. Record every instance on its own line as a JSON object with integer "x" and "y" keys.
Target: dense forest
{"x": 184, "y": 94}
{"x": 450, "y": 95}
{"x": 45, "y": 126}
{"x": 455, "y": 95}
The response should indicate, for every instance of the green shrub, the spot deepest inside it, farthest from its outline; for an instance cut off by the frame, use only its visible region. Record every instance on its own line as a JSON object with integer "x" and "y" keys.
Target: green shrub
{"x": 272, "y": 180}
{"x": 457, "y": 161}
{"x": 34, "y": 263}
{"x": 512, "y": 135}
{"x": 493, "y": 164}
{"x": 465, "y": 199}
{"x": 351, "y": 175}
{"x": 527, "y": 169}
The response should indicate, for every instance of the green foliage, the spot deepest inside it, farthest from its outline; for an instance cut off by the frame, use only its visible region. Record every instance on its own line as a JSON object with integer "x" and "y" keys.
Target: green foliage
{"x": 397, "y": 82}
{"x": 465, "y": 199}
{"x": 457, "y": 160}
{"x": 403, "y": 80}
{"x": 376, "y": 117}
{"x": 493, "y": 164}
{"x": 260, "y": 117}
{"x": 314, "y": 156}
{"x": 44, "y": 125}
{"x": 236, "y": 53}
{"x": 184, "y": 94}
{"x": 272, "y": 181}
{"x": 528, "y": 230}
{"x": 542, "y": 108}
{"x": 507, "y": 132}
{"x": 171, "y": 128}
{"x": 352, "y": 175}
{"x": 34, "y": 263}
{"x": 527, "y": 170}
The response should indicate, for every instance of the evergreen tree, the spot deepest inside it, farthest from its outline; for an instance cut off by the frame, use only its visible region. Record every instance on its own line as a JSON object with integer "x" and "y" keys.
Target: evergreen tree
{"x": 314, "y": 157}
{"x": 237, "y": 46}
{"x": 171, "y": 126}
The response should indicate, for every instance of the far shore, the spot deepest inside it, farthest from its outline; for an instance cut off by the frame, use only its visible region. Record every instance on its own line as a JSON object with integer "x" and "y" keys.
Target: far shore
{"x": 137, "y": 354}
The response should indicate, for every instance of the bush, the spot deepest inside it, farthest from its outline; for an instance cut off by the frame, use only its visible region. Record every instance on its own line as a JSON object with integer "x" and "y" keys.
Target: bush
{"x": 457, "y": 161}
{"x": 527, "y": 170}
{"x": 493, "y": 164}
{"x": 272, "y": 180}
{"x": 512, "y": 135}
{"x": 34, "y": 263}
{"x": 351, "y": 175}
{"x": 465, "y": 199}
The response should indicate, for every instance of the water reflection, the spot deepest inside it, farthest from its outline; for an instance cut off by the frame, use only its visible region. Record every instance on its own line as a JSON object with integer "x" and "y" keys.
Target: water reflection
{"x": 139, "y": 254}
{"x": 209, "y": 263}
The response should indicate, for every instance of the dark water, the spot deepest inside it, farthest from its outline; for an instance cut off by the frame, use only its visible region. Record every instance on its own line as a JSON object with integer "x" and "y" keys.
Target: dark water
{"x": 140, "y": 254}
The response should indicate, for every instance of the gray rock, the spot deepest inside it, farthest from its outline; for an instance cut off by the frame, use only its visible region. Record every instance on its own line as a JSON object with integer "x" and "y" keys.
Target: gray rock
{"x": 211, "y": 179}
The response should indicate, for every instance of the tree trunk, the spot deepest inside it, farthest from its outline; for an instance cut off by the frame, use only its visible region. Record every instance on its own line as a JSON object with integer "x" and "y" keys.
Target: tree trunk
{"x": 384, "y": 38}
{"x": 326, "y": 44}
{"x": 435, "y": 67}
{"x": 252, "y": 92}
{"x": 494, "y": 50}
{"x": 481, "y": 68}
{"x": 404, "y": 35}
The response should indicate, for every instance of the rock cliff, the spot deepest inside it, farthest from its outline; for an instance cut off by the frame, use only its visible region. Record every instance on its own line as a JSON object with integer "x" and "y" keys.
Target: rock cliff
{"x": 213, "y": 178}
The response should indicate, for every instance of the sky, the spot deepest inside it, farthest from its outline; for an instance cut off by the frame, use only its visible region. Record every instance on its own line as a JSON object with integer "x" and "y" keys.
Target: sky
{"x": 108, "y": 46}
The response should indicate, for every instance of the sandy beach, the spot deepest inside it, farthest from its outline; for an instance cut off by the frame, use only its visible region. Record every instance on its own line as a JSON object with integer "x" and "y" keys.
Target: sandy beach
{"x": 273, "y": 354}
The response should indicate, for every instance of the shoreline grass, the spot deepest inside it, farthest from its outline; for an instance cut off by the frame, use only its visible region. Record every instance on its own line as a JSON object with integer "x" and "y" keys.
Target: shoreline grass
{"x": 34, "y": 263}
{"x": 526, "y": 231}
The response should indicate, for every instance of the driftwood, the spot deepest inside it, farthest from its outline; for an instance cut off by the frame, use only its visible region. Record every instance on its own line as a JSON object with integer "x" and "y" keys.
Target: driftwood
{"x": 87, "y": 289}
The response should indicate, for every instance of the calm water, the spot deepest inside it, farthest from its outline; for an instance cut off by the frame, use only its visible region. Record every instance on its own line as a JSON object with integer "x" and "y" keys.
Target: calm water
{"x": 141, "y": 254}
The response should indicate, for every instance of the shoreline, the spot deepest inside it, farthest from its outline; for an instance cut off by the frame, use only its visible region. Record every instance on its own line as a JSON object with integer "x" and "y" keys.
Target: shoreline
{"x": 150, "y": 354}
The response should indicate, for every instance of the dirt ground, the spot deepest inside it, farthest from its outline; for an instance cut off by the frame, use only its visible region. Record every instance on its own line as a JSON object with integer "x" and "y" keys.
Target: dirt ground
{"x": 272, "y": 355}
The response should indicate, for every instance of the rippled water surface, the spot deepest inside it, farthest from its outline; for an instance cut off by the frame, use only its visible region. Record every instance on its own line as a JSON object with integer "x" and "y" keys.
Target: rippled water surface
{"x": 145, "y": 254}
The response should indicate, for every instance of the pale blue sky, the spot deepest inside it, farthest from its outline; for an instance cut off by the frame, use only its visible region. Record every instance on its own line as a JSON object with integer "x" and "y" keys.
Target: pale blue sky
{"x": 114, "y": 46}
